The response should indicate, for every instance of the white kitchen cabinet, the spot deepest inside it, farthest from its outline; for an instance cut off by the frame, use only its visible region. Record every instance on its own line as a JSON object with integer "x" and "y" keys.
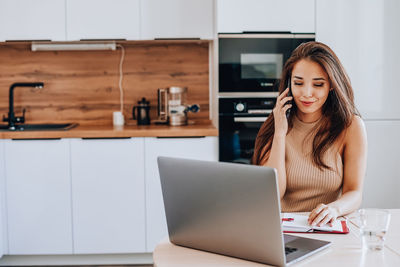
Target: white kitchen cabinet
{"x": 202, "y": 148}
{"x": 108, "y": 195}
{"x": 365, "y": 36}
{"x": 177, "y": 19}
{"x": 381, "y": 186}
{"x": 32, "y": 20}
{"x": 3, "y": 233}
{"x": 266, "y": 15}
{"x": 38, "y": 196}
{"x": 103, "y": 19}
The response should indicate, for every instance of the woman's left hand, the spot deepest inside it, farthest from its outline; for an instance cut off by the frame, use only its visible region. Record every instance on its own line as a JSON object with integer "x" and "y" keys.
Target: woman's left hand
{"x": 322, "y": 214}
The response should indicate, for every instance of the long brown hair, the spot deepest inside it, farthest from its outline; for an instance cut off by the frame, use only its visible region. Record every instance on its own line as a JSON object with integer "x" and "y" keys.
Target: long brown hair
{"x": 337, "y": 111}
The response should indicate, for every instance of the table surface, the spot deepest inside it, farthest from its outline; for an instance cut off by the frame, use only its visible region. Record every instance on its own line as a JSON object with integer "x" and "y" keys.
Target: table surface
{"x": 345, "y": 251}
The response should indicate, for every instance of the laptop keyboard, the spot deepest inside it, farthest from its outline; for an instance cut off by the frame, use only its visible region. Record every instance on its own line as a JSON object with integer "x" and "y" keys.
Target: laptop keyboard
{"x": 289, "y": 250}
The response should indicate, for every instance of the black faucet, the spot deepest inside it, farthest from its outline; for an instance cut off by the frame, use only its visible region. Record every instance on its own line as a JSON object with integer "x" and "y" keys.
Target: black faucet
{"x": 11, "y": 116}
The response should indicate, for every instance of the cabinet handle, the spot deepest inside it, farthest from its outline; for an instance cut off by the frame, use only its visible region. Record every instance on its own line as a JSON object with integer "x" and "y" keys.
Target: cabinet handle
{"x": 33, "y": 139}
{"x": 100, "y": 40}
{"x": 249, "y": 119}
{"x": 33, "y": 40}
{"x": 103, "y": 138}
{"x": 173, "y": 39}
{"x": 175, "y": 137}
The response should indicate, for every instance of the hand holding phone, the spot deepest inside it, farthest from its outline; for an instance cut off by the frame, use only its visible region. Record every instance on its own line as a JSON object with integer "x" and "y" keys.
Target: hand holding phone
{"x": 283, "y": 103}
{"x": 289, "y": 85}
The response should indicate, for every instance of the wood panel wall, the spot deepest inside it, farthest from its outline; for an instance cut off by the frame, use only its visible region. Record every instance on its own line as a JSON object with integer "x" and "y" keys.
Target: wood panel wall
{"x": 82, "y": 86}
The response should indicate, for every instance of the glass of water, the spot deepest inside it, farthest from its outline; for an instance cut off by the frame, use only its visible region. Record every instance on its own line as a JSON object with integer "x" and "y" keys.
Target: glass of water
{"x": 374, "y": 224}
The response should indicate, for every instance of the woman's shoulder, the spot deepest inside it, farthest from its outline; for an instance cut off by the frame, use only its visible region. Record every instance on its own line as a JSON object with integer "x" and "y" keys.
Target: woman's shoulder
{"x": 356, "y": 124}
{"x": 352, "y": 134}
{"x": 356, "y": 129}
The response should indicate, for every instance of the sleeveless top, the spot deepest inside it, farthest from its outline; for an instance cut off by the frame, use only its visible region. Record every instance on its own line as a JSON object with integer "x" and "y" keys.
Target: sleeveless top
{"x": 307, "y": 185}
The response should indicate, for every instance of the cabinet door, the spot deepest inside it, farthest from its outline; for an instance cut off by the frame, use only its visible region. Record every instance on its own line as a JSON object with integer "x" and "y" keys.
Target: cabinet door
{"x": 108, "y": 195}
{"x": 177, "y": 19}
{"x": 32, "y": 20}
{"x": 205, "y": 148}
{"x": 3, "y": 241}
{"x": 102, "y": 19}
{"x": 266, "y": 15}
{"x": 381, "y": 186}
{"x": 38, "y": 196}
{"x": 365, "y": 36}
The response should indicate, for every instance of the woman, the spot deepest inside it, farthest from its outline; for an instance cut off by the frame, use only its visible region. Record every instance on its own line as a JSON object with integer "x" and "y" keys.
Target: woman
{"x": 315, "y": 137}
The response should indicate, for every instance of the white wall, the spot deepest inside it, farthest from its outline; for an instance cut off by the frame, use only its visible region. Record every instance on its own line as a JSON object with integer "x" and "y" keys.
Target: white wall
{"x": 366, "y": 37}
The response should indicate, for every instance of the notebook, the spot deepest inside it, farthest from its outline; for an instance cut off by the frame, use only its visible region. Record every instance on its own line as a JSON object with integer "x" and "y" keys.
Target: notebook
{"x": 297, "y": 223}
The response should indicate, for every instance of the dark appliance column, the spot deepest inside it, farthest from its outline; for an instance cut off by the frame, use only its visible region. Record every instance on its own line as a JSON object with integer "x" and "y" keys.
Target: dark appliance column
{"x": 239, "y": 122}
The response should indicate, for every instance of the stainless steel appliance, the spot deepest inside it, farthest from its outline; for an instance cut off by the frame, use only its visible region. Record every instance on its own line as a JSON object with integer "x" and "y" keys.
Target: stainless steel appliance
{"x": 239, "y": 122}
{"x": 253, "y": 62}
{"x": 172, "y": 107}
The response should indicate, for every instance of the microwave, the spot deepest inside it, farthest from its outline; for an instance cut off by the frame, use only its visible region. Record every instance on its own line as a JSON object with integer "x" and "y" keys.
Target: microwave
{"x": 253, "y": 62}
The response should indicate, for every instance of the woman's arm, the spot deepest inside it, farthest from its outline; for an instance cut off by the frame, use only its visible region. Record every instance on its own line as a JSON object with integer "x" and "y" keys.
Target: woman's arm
{"x": 275, "y": 158}
{"x": 354, "y": 165}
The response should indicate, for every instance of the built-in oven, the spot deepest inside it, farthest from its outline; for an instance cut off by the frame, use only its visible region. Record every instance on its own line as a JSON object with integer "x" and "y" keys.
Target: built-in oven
{"x": 254, "y": 62}
{"x": 239, "y": 122}
{"x": 250, "y": 67}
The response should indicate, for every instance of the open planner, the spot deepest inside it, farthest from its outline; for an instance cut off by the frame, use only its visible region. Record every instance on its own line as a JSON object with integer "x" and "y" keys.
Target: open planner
{"x": 296, "y": 223}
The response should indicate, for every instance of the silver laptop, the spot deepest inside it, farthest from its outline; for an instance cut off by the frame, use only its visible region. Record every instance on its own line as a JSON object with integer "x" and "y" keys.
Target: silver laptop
{"x": 230, "y": 209}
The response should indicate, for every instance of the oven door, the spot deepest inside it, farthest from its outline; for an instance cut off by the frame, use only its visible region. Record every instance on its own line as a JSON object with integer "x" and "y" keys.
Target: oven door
{"x": 254, "y": 62}
{"x": 237, "y": 136}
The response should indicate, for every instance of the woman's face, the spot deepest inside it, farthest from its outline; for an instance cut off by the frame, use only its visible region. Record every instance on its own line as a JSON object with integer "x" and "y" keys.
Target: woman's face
{"x": 310, "y": 89}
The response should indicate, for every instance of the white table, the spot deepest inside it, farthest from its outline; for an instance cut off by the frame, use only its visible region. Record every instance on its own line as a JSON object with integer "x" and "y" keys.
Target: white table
{"x": 345, "y": 251}
{"x": 393, "y": 238}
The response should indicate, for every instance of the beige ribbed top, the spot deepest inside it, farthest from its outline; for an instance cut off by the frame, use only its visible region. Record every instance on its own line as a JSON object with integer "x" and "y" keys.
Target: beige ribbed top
{"x": 306, "y": 185}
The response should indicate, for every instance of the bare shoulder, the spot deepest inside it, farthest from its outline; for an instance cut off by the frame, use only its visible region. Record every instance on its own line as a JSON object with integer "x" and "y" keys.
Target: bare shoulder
{"x": 356, "y": 132}
{"x": 356, "y": 125}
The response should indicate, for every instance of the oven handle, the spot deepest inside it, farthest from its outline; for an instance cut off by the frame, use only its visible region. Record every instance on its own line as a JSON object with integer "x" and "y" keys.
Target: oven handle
{"x": 249, "y": 119}
{"x": 259, "y": 111}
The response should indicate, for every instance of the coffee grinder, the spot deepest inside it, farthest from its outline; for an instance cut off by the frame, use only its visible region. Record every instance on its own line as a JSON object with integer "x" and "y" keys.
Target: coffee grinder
{"x": 172, "y": 107}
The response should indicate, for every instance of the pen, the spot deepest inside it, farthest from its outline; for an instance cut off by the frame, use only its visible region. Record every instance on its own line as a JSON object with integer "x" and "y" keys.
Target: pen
{"x": 287, "y": 219}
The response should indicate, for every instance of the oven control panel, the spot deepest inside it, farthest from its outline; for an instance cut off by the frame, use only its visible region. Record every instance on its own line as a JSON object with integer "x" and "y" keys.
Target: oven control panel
{"x": 240, "y": 107}
{"x": 246, "y": 106}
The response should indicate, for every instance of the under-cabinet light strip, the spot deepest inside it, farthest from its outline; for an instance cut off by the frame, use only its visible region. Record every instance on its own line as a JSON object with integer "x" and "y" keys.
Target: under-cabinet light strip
{"x": 73, "y": 46}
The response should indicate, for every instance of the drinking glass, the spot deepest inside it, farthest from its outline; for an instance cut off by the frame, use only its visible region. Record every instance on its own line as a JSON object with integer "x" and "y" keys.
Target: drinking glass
{"x": 374, "y": 224}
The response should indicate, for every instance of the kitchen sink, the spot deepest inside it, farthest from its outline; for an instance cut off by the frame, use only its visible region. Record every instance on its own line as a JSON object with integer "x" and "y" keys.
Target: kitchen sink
{"x": 40, "y": 127}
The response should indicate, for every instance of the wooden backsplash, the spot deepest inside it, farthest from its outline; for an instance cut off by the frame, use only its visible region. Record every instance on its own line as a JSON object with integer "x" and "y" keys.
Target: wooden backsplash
{"x": 82, "y": 86}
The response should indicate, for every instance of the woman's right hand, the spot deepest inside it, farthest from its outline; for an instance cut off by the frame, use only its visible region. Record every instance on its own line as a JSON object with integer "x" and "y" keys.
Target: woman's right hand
{"x": 279, "y": 111}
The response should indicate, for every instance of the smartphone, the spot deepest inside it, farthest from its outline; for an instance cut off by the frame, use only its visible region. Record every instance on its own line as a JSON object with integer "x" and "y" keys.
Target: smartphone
{"x": 289, "y": 84}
